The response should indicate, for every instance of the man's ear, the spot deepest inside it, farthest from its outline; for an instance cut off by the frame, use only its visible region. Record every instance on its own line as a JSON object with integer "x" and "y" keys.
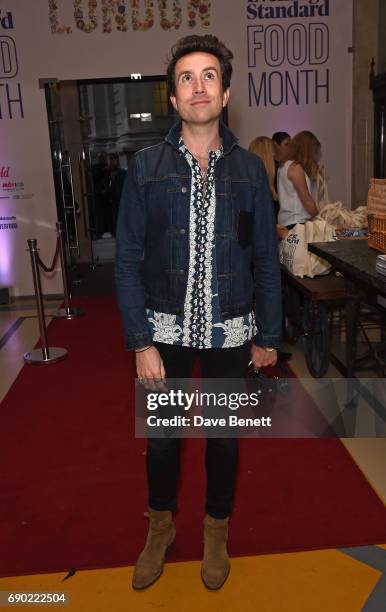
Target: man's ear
{"x": 174, "y": 102}
{"x": 225, "y": 97}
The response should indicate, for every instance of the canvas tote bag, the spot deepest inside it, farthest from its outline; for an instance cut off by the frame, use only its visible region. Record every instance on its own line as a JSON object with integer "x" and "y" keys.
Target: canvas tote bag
{"x": 294, "y": 253}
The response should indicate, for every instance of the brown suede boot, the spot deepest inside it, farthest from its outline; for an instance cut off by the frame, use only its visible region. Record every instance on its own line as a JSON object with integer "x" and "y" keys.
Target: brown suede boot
{"x": 215, "y": 565}
{"x": 150, "y": 562}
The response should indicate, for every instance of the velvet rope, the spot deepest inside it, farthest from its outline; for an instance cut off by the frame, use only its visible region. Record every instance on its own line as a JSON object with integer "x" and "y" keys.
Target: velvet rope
{"x": 55, "y": 259}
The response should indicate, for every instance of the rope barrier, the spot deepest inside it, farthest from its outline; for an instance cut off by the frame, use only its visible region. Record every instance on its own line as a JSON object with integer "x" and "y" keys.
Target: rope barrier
{"x": 51, "y": 268}
{"x": 45, "y": 354}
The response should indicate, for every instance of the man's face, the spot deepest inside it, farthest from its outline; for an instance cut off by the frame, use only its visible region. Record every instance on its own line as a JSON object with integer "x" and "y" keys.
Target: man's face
{"x": 199, "y": 97}
{"x": 282, "y": 150}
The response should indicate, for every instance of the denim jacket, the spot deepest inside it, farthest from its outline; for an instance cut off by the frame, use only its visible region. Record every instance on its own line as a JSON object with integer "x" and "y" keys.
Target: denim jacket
{"x": 152, "y": 255}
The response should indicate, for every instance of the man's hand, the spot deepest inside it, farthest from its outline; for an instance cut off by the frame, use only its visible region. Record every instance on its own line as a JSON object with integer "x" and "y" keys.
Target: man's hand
{"x": 150, "y": 369}
{"x": 261, "y": 357}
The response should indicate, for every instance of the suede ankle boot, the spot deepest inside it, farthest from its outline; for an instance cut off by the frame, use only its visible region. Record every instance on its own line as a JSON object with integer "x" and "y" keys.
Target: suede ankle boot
{"x": 215, "y": 565}
{"x": 150, "y": 562}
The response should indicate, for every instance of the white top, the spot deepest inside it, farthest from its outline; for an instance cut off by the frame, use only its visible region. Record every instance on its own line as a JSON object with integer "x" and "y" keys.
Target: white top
{"x": 291, "y": 209}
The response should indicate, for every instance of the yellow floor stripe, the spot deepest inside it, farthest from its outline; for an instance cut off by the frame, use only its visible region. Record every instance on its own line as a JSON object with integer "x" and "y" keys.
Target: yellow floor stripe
{"x": 317, "y": 581}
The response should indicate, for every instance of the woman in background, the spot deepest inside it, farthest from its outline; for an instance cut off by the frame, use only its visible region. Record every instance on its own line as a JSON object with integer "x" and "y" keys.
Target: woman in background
{"x": 281, "y": 142}
{"x": 264, "y": 148}
{"x": 295, "y": 178}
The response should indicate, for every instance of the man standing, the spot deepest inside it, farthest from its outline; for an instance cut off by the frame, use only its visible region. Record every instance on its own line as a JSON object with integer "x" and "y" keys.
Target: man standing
{"x": 195, "y": 218}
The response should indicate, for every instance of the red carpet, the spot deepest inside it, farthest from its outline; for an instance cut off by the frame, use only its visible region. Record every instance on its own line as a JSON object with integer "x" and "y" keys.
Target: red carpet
{"x": 72, "y": 484}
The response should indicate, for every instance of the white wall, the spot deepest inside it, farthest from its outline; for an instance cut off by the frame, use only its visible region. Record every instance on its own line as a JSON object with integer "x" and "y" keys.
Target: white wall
{"x": 24, "y": 142}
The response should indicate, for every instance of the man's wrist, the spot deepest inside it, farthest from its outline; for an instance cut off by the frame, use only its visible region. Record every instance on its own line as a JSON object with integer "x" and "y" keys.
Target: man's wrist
{"x": 268, "y": 349}
{"x": 266, "y": 341}
{"x": 141, "y": 350}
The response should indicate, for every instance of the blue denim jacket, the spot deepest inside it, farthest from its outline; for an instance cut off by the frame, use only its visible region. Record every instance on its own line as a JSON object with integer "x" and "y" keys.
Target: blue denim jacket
{"x": 152, "y": 255}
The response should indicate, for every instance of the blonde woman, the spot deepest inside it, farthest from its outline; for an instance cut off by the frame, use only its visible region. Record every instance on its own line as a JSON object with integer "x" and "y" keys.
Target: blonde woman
{"x": 265, "y": 149}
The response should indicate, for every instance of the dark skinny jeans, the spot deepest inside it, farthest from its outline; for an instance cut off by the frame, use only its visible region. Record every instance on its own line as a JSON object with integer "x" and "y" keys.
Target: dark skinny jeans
{"x": 221, "y": 456}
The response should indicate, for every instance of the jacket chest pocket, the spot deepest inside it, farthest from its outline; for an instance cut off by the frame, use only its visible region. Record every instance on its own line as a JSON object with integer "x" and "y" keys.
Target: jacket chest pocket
{"x": 169, "y": 200}
{"x": 242, "y": 196}
{"x": 245, "y": 228}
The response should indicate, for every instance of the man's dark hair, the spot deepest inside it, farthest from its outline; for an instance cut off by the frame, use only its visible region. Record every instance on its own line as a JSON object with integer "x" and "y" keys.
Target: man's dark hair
{"x": 200, "y": 44}
{"x": 278, "y": 137}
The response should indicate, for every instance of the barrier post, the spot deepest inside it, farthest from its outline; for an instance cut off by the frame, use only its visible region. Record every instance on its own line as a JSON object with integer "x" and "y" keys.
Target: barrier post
{"x": 68, "y": 312}
{"x": 45, "y": 354}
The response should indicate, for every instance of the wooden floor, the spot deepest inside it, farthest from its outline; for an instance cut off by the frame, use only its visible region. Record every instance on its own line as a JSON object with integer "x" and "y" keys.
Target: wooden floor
{"x": 322, "y": 581}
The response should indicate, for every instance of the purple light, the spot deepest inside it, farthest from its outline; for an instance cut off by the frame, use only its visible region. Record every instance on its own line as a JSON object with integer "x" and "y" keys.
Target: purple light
{"x": 5, "y": 255}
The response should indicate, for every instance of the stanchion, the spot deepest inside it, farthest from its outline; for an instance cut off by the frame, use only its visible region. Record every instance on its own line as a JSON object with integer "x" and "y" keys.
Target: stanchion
{"x": 68, "y": 312}
{"x": 45, "y": 354}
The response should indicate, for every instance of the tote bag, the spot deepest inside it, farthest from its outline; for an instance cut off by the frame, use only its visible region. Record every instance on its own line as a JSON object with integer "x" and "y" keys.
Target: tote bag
{"x": 293, "y": 250}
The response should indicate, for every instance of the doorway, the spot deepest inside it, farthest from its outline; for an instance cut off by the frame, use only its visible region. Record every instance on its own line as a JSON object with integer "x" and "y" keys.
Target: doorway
{"x": 95, "y": 128}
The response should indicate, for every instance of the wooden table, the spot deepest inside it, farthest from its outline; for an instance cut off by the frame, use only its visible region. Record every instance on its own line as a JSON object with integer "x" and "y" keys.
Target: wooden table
{"x": 356, "y": 262}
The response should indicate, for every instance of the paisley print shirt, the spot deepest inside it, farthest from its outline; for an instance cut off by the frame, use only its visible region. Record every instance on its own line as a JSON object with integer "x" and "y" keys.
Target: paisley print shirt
{"x": 201, "y": 326}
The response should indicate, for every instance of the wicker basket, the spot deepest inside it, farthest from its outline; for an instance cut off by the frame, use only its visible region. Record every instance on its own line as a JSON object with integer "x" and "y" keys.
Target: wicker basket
{"x": 377, "y": 232}
{"x": 376, "y": 197}
{"x": 376, "y": 204}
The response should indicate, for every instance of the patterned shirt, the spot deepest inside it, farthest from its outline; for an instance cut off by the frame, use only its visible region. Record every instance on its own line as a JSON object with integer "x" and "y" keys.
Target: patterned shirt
{"x": 201, "y": 326}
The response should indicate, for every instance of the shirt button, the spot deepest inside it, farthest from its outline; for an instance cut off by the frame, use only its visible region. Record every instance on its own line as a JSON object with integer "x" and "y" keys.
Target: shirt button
{"x": 184, "y": 189}
{"x": 182, "y": 231}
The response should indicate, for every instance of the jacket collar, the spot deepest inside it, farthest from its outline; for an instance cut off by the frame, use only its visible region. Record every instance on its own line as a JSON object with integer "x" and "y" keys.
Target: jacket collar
{"x": 229, "y": 141}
